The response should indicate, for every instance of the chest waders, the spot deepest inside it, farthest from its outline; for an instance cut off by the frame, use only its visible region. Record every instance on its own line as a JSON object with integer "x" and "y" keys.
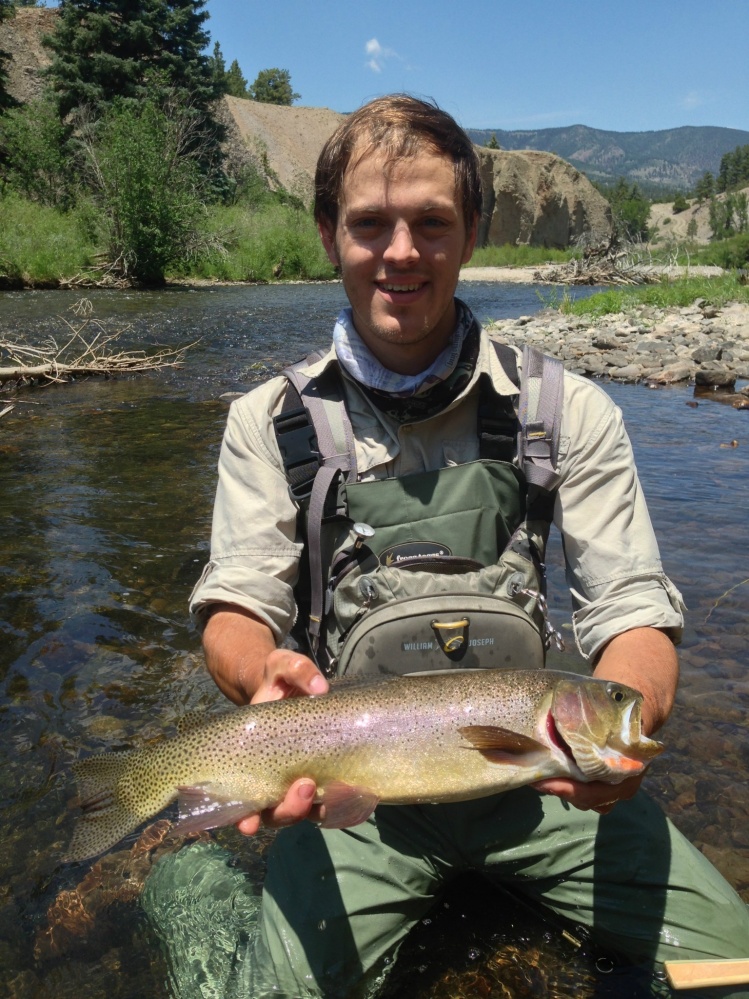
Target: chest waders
{"x": 440, "y": 569}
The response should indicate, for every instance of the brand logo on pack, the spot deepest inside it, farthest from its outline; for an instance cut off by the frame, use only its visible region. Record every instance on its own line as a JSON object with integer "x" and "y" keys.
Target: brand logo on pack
{"x": 413, "y": 551}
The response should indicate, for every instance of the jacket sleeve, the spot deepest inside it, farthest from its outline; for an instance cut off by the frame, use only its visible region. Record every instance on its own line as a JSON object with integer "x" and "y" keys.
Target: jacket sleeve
{"x": 613, "y": 564}
{"x": 255, "y": 547}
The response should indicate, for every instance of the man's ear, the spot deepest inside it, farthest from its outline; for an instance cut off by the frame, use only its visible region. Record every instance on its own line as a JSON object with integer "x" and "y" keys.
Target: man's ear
{"x": 327, "y": 235}
{"x": 471, "y": 240}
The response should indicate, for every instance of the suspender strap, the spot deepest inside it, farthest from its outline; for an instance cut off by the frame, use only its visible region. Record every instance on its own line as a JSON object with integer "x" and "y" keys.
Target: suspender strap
{"x": 297, "y": 442}
{"x": 318, "y": 446}
{"x": 497, "y": 421}
{"x": 540, "y": 414}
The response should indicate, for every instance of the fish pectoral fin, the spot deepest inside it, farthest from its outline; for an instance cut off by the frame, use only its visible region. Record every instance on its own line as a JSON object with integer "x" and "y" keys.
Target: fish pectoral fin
{"x": 500, "y": 745}
{"x": 346, "y": 805}
{"x": 208, "y": 806}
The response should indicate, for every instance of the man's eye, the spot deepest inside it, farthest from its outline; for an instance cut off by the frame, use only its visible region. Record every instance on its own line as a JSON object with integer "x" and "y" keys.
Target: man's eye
{"x": 365, "y": 223}
{"x": 434, "y": 223}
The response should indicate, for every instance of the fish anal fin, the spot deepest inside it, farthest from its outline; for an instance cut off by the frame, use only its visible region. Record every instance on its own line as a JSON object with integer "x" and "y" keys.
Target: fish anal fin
{"x": 346, "y": 805}
{"x": 208, "y": 806}
{"x": 500, "y": 745}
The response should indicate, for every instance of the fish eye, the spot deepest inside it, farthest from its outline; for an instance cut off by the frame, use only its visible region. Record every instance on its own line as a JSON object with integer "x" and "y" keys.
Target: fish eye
{"x": 616, "y": 694}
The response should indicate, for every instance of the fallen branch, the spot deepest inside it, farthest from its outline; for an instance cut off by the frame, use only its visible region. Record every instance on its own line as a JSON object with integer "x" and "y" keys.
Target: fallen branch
{"x": 88, "y": 348}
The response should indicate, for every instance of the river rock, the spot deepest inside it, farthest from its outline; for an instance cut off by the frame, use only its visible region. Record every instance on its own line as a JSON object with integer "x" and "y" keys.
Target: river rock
{"x": 717, "y": 376}
{"x": 660, "y": 346}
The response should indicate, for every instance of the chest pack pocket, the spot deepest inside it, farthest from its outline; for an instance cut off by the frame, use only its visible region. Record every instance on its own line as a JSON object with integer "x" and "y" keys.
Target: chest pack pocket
{"x": 438, "y": 570}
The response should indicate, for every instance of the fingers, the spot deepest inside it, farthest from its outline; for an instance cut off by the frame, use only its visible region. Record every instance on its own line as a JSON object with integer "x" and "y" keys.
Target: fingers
{"x": 289, "y": 674}
{"x": 298, "y": 804}
{"x": 595, "y": 796}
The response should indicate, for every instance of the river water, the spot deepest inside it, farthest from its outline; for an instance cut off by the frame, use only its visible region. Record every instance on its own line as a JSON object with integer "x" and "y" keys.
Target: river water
{"x": 106, "y": 490}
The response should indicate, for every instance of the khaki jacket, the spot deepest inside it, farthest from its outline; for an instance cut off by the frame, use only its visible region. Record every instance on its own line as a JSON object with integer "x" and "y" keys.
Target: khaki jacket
{"x": 613, "y": 566}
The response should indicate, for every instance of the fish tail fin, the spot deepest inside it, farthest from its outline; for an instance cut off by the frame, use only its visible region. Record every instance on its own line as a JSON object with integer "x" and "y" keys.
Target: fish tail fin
{"x": 106, "y": 815}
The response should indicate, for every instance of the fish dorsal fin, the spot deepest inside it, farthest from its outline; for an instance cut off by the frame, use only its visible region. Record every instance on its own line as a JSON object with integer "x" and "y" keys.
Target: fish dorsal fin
{"x": 346, "y": 805}
{"x": 500, "y": 745}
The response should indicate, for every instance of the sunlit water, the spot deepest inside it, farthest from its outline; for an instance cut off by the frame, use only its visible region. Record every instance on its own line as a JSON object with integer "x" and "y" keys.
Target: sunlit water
{"x": 105, "y": 500}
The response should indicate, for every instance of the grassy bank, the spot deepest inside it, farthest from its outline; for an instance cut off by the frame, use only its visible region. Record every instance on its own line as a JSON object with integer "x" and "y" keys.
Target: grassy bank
{"x": 274, "y": 241}
{"x": 44, "y": 246}
{"x": 518, "y": 256}
{"x": 39, "y": 245}
{"x": 718, "y": 291}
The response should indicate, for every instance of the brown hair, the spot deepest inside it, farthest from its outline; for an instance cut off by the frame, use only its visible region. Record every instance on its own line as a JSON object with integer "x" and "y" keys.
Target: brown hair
{"x": 401, "y": 126}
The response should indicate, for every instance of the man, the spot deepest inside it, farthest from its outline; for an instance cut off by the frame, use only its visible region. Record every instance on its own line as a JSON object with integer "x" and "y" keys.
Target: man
{"x": 397, "y": 203}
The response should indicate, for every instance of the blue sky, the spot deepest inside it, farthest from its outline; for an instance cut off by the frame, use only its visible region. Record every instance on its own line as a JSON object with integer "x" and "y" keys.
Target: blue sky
{"x": 631, "y": 65}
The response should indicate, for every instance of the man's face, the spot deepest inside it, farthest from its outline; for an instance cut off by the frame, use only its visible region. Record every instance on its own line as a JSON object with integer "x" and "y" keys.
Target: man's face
{"x": 400, "y": 242}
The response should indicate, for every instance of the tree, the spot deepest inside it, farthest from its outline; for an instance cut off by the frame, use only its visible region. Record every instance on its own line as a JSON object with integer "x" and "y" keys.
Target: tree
{"x": 631, "y": 210}
{"x": 236, "y": 85}
{"x": 492, "y": 143}
{"x": 705, "y": 188}
{"x": 108, "y": 49}
{"x": 217, "y": 66}
{"x": 273, "y": 86}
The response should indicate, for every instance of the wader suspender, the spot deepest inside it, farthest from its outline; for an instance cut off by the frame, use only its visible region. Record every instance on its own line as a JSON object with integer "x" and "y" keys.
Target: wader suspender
{"x": 316, "y": 442}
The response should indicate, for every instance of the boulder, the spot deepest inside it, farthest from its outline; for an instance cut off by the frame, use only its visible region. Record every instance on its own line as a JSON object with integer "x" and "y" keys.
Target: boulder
{"x": 715, "y": 376}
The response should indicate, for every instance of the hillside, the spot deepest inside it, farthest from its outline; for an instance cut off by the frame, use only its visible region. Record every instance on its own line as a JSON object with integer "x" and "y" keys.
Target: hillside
{"x": 672, "y": 158}
{"x": 673, "y": 227}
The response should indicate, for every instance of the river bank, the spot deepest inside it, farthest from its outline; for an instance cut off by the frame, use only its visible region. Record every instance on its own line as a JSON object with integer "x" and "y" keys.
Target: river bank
{"x": 699, "y": 343}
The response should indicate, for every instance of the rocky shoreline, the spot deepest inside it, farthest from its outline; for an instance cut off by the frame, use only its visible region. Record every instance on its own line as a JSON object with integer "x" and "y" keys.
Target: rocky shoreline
{"x": 699, "y": 344}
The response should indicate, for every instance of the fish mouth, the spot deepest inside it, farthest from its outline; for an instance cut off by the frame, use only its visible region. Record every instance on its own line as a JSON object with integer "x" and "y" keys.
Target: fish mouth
{"x": 557, "y": 739}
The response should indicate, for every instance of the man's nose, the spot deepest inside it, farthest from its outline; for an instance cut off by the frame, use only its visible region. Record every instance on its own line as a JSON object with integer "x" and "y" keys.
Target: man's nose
{"x": 402, "y": 247}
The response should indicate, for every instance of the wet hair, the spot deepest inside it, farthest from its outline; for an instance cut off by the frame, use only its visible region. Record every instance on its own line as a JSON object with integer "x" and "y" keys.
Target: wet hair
{"x": 401, "y": 126}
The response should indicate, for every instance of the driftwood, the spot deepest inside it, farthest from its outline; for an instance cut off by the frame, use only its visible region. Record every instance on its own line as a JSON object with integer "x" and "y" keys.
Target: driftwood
{"x": 612, "y": 263}
{"x": 88, "y": 348}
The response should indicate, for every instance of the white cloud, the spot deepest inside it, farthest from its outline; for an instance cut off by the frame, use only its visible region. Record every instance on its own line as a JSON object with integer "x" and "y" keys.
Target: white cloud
{"x": 692, "y": 100}
{"x": 377, "y": 55}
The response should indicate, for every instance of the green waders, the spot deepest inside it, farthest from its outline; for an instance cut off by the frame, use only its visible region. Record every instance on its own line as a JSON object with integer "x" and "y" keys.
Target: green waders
{"x": 338, "y": 903}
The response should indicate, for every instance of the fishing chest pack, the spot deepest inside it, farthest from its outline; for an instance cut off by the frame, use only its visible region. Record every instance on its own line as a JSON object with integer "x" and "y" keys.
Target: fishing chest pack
{"x": 377, "y": 593}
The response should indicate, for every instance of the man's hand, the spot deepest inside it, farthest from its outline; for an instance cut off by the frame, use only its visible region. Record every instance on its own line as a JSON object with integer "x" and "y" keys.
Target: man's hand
{"x": 595, "y": 796}
{"x": 242, "y": 657}
{"x": 645, "y": 659}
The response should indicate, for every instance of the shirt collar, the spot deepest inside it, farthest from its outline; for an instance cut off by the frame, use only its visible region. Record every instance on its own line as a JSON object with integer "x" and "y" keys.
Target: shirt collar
{"x": 361, "y": 364}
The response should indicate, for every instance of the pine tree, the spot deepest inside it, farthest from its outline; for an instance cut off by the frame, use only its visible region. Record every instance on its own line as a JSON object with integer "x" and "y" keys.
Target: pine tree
{"x": 236, "y": 85}
{"x": 217, "y": 66}
{"x": 273, "y": 86}
{"x": 107, "y": 49}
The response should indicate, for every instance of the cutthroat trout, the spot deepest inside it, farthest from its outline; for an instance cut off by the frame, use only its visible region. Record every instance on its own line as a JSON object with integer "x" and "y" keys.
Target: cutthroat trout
{"x": 416, "y": 739}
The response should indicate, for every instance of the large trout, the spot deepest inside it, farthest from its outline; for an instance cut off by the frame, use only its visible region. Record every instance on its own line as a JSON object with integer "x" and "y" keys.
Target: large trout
{"x": 434, "y": 737}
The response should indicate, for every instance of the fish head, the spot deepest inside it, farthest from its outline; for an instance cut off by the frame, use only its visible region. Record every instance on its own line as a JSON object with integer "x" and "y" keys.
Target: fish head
{"x": 598, "y": 723}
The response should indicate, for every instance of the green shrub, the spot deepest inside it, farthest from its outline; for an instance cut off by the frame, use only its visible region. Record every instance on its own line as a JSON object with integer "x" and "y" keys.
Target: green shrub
{"x": 143, "y": 167}
{"x": 730, "y": 253}
{"x": 34, "y": 163}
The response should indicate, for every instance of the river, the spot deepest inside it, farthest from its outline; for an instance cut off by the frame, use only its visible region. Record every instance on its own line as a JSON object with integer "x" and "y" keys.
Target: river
{"x": 106, "y": 489}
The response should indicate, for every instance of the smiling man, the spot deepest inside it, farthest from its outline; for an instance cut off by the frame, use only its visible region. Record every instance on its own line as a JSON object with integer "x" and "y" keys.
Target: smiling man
{"x": 422, "y": 423}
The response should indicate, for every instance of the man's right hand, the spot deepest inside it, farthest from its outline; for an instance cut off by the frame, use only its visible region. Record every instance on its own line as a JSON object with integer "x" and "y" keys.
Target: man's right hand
{"x": 242, "y": 657}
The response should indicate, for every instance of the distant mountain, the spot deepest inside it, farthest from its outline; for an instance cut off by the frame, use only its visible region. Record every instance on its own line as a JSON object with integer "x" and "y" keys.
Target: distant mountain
{"x": 673, "y": 158}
